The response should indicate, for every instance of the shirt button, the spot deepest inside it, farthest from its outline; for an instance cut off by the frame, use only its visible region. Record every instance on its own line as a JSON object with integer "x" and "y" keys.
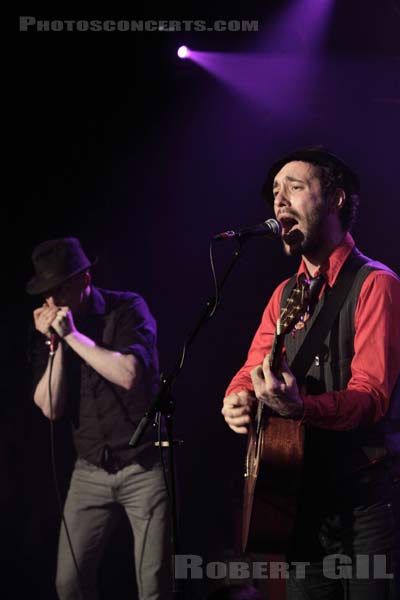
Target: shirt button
{"x": 316, "y": 361}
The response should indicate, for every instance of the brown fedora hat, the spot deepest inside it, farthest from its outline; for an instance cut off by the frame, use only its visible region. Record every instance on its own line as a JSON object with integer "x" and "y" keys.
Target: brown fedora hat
{"x": 55, "y": 261}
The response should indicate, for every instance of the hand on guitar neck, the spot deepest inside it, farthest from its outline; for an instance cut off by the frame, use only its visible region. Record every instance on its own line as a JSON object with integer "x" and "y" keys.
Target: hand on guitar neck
{"x": 279, "y": 393}
{"x": 274, "y": 383}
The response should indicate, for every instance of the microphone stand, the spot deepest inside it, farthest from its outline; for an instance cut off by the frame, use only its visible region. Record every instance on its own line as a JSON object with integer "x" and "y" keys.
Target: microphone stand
{"x": 163, "y": 403}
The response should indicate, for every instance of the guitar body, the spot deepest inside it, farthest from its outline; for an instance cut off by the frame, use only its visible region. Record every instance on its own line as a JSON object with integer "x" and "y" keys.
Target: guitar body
{"x": 274, "y": 462}
{"x": 274, "y": 456}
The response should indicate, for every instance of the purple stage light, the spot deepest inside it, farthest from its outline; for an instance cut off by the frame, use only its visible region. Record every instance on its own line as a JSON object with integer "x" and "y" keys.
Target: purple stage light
{"x": 183, "y": 52}
{"x": 279, "y": 73}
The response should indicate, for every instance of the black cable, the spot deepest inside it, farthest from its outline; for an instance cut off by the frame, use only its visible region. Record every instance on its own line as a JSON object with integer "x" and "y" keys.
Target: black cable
{"x": 215, "y": 302}
{"x": 54, "y": 471}
{"x": 216, "y": 288}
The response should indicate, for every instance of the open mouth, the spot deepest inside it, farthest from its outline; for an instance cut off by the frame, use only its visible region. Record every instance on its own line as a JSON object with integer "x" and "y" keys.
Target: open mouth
{"x": 288, "y": 224}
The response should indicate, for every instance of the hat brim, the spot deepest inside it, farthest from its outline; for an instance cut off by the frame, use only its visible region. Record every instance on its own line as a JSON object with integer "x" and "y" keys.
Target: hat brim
{"x": 40, "y": 285}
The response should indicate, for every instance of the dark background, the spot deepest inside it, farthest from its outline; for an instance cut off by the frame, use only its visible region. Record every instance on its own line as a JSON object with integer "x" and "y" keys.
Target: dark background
{"x": 144, "y": 157}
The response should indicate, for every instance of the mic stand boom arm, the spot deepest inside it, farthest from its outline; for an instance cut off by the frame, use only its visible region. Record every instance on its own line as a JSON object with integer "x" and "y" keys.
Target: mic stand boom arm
{"x": 162, "y": 400}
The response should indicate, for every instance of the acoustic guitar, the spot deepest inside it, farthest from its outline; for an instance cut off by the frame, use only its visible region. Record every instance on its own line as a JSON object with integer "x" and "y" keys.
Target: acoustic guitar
{"x": 274, "y": 455}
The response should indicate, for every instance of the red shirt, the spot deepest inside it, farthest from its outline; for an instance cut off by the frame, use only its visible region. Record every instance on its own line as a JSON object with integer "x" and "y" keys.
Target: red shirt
{"x": 376, "y": 362}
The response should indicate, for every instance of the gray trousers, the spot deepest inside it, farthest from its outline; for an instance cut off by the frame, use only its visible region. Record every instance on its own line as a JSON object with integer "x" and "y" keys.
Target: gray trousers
{"x": 91, "y": 511}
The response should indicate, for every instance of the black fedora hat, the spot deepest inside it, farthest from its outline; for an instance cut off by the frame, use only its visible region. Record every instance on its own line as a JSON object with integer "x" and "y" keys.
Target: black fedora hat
{"x": 316, "y": 155}
{"x": 56, "y": 261}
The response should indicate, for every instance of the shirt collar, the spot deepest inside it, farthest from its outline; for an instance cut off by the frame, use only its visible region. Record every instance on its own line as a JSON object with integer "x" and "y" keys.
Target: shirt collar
{"x": 331, "y": 267}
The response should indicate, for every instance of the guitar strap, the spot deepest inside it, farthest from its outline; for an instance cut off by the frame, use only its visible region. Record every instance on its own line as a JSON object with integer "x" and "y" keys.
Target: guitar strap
{"x": 333, "y": 302}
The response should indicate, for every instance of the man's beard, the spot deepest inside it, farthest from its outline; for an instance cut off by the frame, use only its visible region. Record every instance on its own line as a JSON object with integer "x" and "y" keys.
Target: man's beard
{"x": 297, "y": 243}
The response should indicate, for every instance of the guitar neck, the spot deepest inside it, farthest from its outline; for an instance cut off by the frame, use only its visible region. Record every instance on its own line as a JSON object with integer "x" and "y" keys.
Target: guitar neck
{"x": 275, "y": 358}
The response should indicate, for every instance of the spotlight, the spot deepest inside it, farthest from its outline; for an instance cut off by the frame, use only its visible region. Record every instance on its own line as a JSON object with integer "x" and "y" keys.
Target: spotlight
{"x": 183, "y": 52}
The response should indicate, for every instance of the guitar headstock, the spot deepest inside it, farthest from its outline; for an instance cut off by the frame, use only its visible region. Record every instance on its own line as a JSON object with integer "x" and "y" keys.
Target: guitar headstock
{"x": 295, "y": 307}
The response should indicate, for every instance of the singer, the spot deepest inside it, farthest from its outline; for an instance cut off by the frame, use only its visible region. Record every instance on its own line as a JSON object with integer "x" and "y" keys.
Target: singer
{"x": 105, "y": 374}
{"x": 337, "y": 384}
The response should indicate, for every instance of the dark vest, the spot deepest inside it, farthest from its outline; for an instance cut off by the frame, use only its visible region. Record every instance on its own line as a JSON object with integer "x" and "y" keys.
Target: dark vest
{"x": 337, "y": 454}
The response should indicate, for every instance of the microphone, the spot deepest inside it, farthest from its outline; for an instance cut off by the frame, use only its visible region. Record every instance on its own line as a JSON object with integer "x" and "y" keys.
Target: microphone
{"x": 53, "y": 342}
{"x": 54, "y": 339}
{"x": 270, "y": 228}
